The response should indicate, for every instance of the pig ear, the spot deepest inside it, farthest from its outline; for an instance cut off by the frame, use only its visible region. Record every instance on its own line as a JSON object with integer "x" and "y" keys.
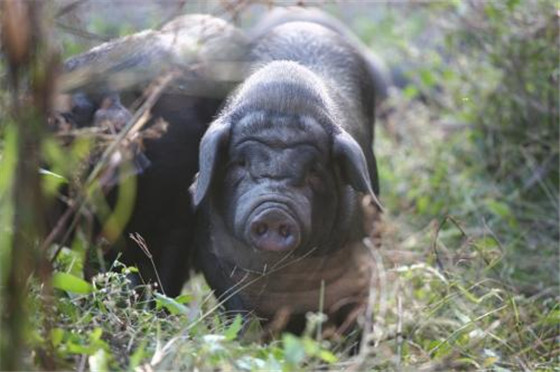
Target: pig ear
{"x": 212, "y": 142}
{"x": 353, "y": 163}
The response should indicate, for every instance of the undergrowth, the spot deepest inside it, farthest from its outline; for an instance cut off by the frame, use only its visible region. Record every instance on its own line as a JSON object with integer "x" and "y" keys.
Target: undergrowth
{"x": 444, "y": 297}
{"x": 467, "y": 269}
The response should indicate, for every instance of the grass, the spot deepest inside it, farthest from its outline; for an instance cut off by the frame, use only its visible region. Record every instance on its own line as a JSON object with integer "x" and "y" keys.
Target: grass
{"x": 445, "y": 297}
{"x": 459, "y": 292}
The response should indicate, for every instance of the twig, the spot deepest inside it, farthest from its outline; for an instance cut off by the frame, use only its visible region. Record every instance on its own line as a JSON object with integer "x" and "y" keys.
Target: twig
{"x": 57, "y": 230}
{"x": 138, "y": 239}
{"x": 374, "y": 289}
{"x": 132, "y": 124}
{"x": 82, "y": 33}
{"x": 68, "y": 8}
{"x": 399, "y": 330}
{"x": 321, "y": 307}
{"x": 382, "y": 276}
{"x": 82, "y": 366}
{"x": 434, "y": 244}
{"x": 178, "y": 10}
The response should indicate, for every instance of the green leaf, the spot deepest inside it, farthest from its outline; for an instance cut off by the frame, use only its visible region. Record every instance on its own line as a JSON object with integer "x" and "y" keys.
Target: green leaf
{"x": 75, "y": 348}
{"x": 99, "y": 361}
{"x": 51, "y": 181}
{"x": 498, "y": 208}
{"x": 130, "y": 270}
{"x": 184, "y": 298}
{"x": 552, "y": 319}
{"x": 491, "y": 11}
{"x": 8, "y": 158}
{"x": 249, "y": 363}
{"x": 427, "y": 78}
{"x": 486, "y": 242}
{"x": 95, "y": 335}
{"x": 310, "y": 346}
{"x": 294, "y": 351}
{"x": 214, "y": 342}
{"x": 138, "y": 355}
{"x": 170, "y": 304}
{"x": 410, "y": 92}
{"x": 48, "y": 173}
{"x": 512, "y": 4}
{"x": 233, "y": 330}
{"x": 70, "y": 283}
{"x": 57, "y": 335}
{"x": 327, "y": 356}
{"x": 448, "y": 75}
{"x": 503, "y": 211}
{"x": 422, "y": 204}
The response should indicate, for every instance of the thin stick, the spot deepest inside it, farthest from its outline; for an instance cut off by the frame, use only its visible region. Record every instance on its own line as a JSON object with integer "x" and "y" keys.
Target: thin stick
{"x": 321, "y": 306}
{"x": 57, "y": 230}
{"x": 138, "y": 239}
{"x": 399, "y": 330}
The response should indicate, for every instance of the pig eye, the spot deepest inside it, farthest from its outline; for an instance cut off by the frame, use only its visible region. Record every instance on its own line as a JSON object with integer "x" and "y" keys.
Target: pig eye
{"x": 240, "y": 162}
{"x": 315, "y": 177}
{"x": 237, "y": 163}
{"x": 314, "y": 169}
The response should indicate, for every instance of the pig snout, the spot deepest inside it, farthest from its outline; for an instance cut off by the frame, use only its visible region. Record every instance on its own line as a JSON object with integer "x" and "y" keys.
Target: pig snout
{"x": 273, "y": 229}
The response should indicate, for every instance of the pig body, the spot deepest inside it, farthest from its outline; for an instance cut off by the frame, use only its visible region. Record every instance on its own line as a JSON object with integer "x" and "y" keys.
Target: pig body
{"x": 283, "y": 170}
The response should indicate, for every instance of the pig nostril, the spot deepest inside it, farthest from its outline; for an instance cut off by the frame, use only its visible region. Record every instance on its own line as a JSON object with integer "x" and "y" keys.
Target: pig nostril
{"x": 284, "y": 231}
{"x": 261, "y": 229}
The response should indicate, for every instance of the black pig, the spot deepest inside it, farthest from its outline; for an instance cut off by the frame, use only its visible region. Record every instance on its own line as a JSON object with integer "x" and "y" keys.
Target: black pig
{"x": 283, "y": 170}
{"x": 208, "y": 53}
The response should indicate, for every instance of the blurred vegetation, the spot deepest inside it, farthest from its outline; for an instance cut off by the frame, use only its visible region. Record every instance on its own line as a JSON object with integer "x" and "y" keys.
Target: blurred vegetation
{"x": 489, "y": 81}
{"x": 468, "y": 149}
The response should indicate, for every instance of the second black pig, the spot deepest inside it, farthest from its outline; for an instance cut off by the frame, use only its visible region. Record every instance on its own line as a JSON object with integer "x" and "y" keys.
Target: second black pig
{"x": 206, "y": 54}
